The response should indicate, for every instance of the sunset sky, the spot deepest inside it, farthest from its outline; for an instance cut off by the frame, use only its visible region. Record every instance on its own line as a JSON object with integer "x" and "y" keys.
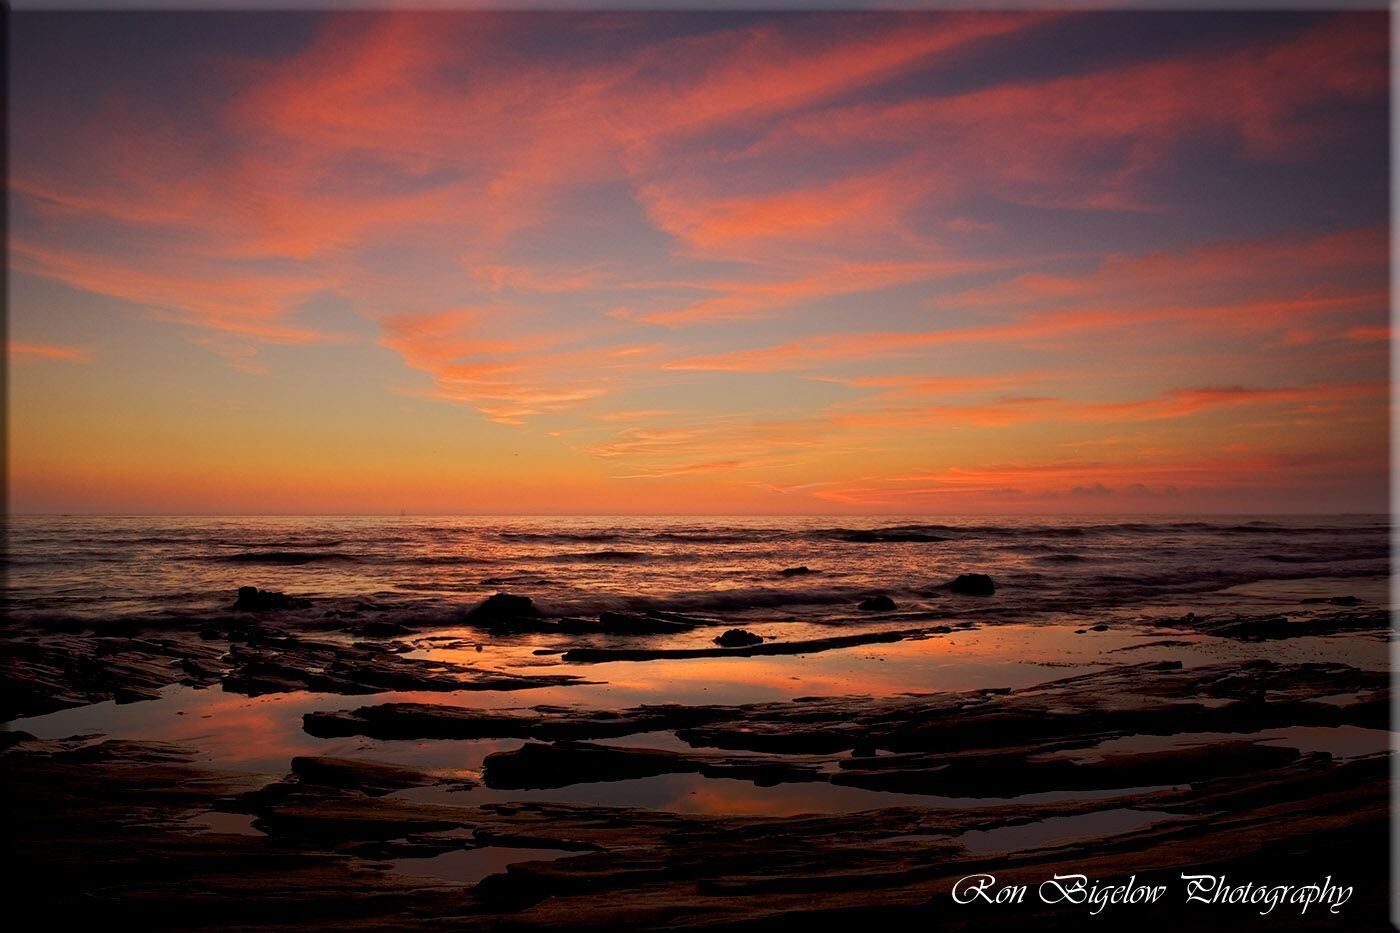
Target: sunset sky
{"x": 795, "y": 263}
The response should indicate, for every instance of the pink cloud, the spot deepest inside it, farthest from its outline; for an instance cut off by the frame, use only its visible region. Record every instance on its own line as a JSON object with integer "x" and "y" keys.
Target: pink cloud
{"x": 24, "y": 352}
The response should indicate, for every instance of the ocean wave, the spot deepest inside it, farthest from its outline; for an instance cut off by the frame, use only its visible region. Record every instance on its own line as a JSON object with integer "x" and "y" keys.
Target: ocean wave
{"x": 441, "y": 560}
{"x": 893, "y": 535}
{"x": 718, "y": 537}
{"x": 1061, "y": 558}
{"x": 285, "y": 557}
{"x": 601, "y": 557}
{"x": 562, "y": 537}
{"x": 288, "y": 543}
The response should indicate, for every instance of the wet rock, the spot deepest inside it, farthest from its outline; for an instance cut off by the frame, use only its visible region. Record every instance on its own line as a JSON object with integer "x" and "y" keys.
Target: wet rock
{"x": 1098, "y": 628}
{"x": 1263, "y": 628}
{"x": 380, "y": 647}
{"x": 503, "y": 608}
{"x": 293, "y": 665}
{"x": 430, "y": 721}
{"x": 975, "y": 775}
{"x": 738, "y": 638}
{"x": 101, "y": 833}
{"x": 796, "y": 571}
{"x": 807, "y": 646}
{"x": 881, "y": 603}
{"x": 1332, "y": 600}
{"x": 1161, "y": 643}
{"x": 52, "y": 671}
{"x": 252, "y": 599}
{"x": 380, "y": 629}
{"x": 536, "y": 766}
{"x": 626, "y": 623}
{"x": 1138, "y": 698}
{"x": 369, "y": 777}
{"x": 973, "y": 584}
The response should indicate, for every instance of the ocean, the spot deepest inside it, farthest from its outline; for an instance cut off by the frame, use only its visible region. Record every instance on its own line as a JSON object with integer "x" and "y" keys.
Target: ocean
{"x": 429, "y": 569}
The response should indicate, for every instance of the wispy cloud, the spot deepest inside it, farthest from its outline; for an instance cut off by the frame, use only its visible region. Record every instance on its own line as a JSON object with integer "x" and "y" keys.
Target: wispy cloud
{"x": 25, "y": 352}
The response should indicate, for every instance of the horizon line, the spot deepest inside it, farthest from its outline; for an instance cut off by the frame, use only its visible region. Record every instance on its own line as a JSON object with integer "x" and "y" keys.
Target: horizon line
{"x": 915, "y": 514}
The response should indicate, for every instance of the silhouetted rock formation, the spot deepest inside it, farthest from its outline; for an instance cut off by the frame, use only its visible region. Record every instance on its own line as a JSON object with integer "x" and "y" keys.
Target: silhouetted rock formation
{"x": 973, "y": 584}
{"x": 628, "y": 623}
{"x": 738, "y": 638}
{"x": 252, "y": 599}
{"x": 1333, "y": 600}
{"x": 805, "y": 646}
{"x": 503, "y": 607}
{"x": 881, "y": 603}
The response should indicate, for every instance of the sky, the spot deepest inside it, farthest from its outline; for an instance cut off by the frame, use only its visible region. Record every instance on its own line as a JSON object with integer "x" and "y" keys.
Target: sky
{"x": 913, "y": 263}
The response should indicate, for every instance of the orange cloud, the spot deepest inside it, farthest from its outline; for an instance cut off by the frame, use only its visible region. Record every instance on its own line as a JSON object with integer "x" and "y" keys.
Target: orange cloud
{"x": 745, "y": 300}
{"x": 508, "y": 380}
{"x": 21, "y": 352}
{"x": 255, "y": 305}
{"x": 1119, "y": 485}
{"x": 1227, "y": 288}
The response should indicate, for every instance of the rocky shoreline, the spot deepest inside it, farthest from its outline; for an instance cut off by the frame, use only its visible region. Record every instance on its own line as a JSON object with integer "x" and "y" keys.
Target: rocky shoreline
{"x": 107, "y": 828}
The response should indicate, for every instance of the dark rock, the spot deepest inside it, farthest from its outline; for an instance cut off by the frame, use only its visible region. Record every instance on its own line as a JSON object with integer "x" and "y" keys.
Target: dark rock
{"x": 806, "y": 646}
{"x": 285, "y": 664}
{"x": 503, "y": 607}
{"x": 252, "y": 599}
{"x": 382, "y": 647}
{"x": 368, "y": 777}
{"x": 881, "y": 603}
{"x": 796, "y": 571}
{"x": 625, "y": 623}
{"x": 431, "y": 721}
{"x": 536, "y": 766}
{"x": 1106, "y": 704}
{"x": 973, "y": 584}
{"x": 103, "y": 833}
{"x": 738, "y": 638}
{"x": 380, "y": 629}
{"x": 1099, "y": 628}
{"x": 1270, "y": 627}
{"x": 51, "y": 671}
